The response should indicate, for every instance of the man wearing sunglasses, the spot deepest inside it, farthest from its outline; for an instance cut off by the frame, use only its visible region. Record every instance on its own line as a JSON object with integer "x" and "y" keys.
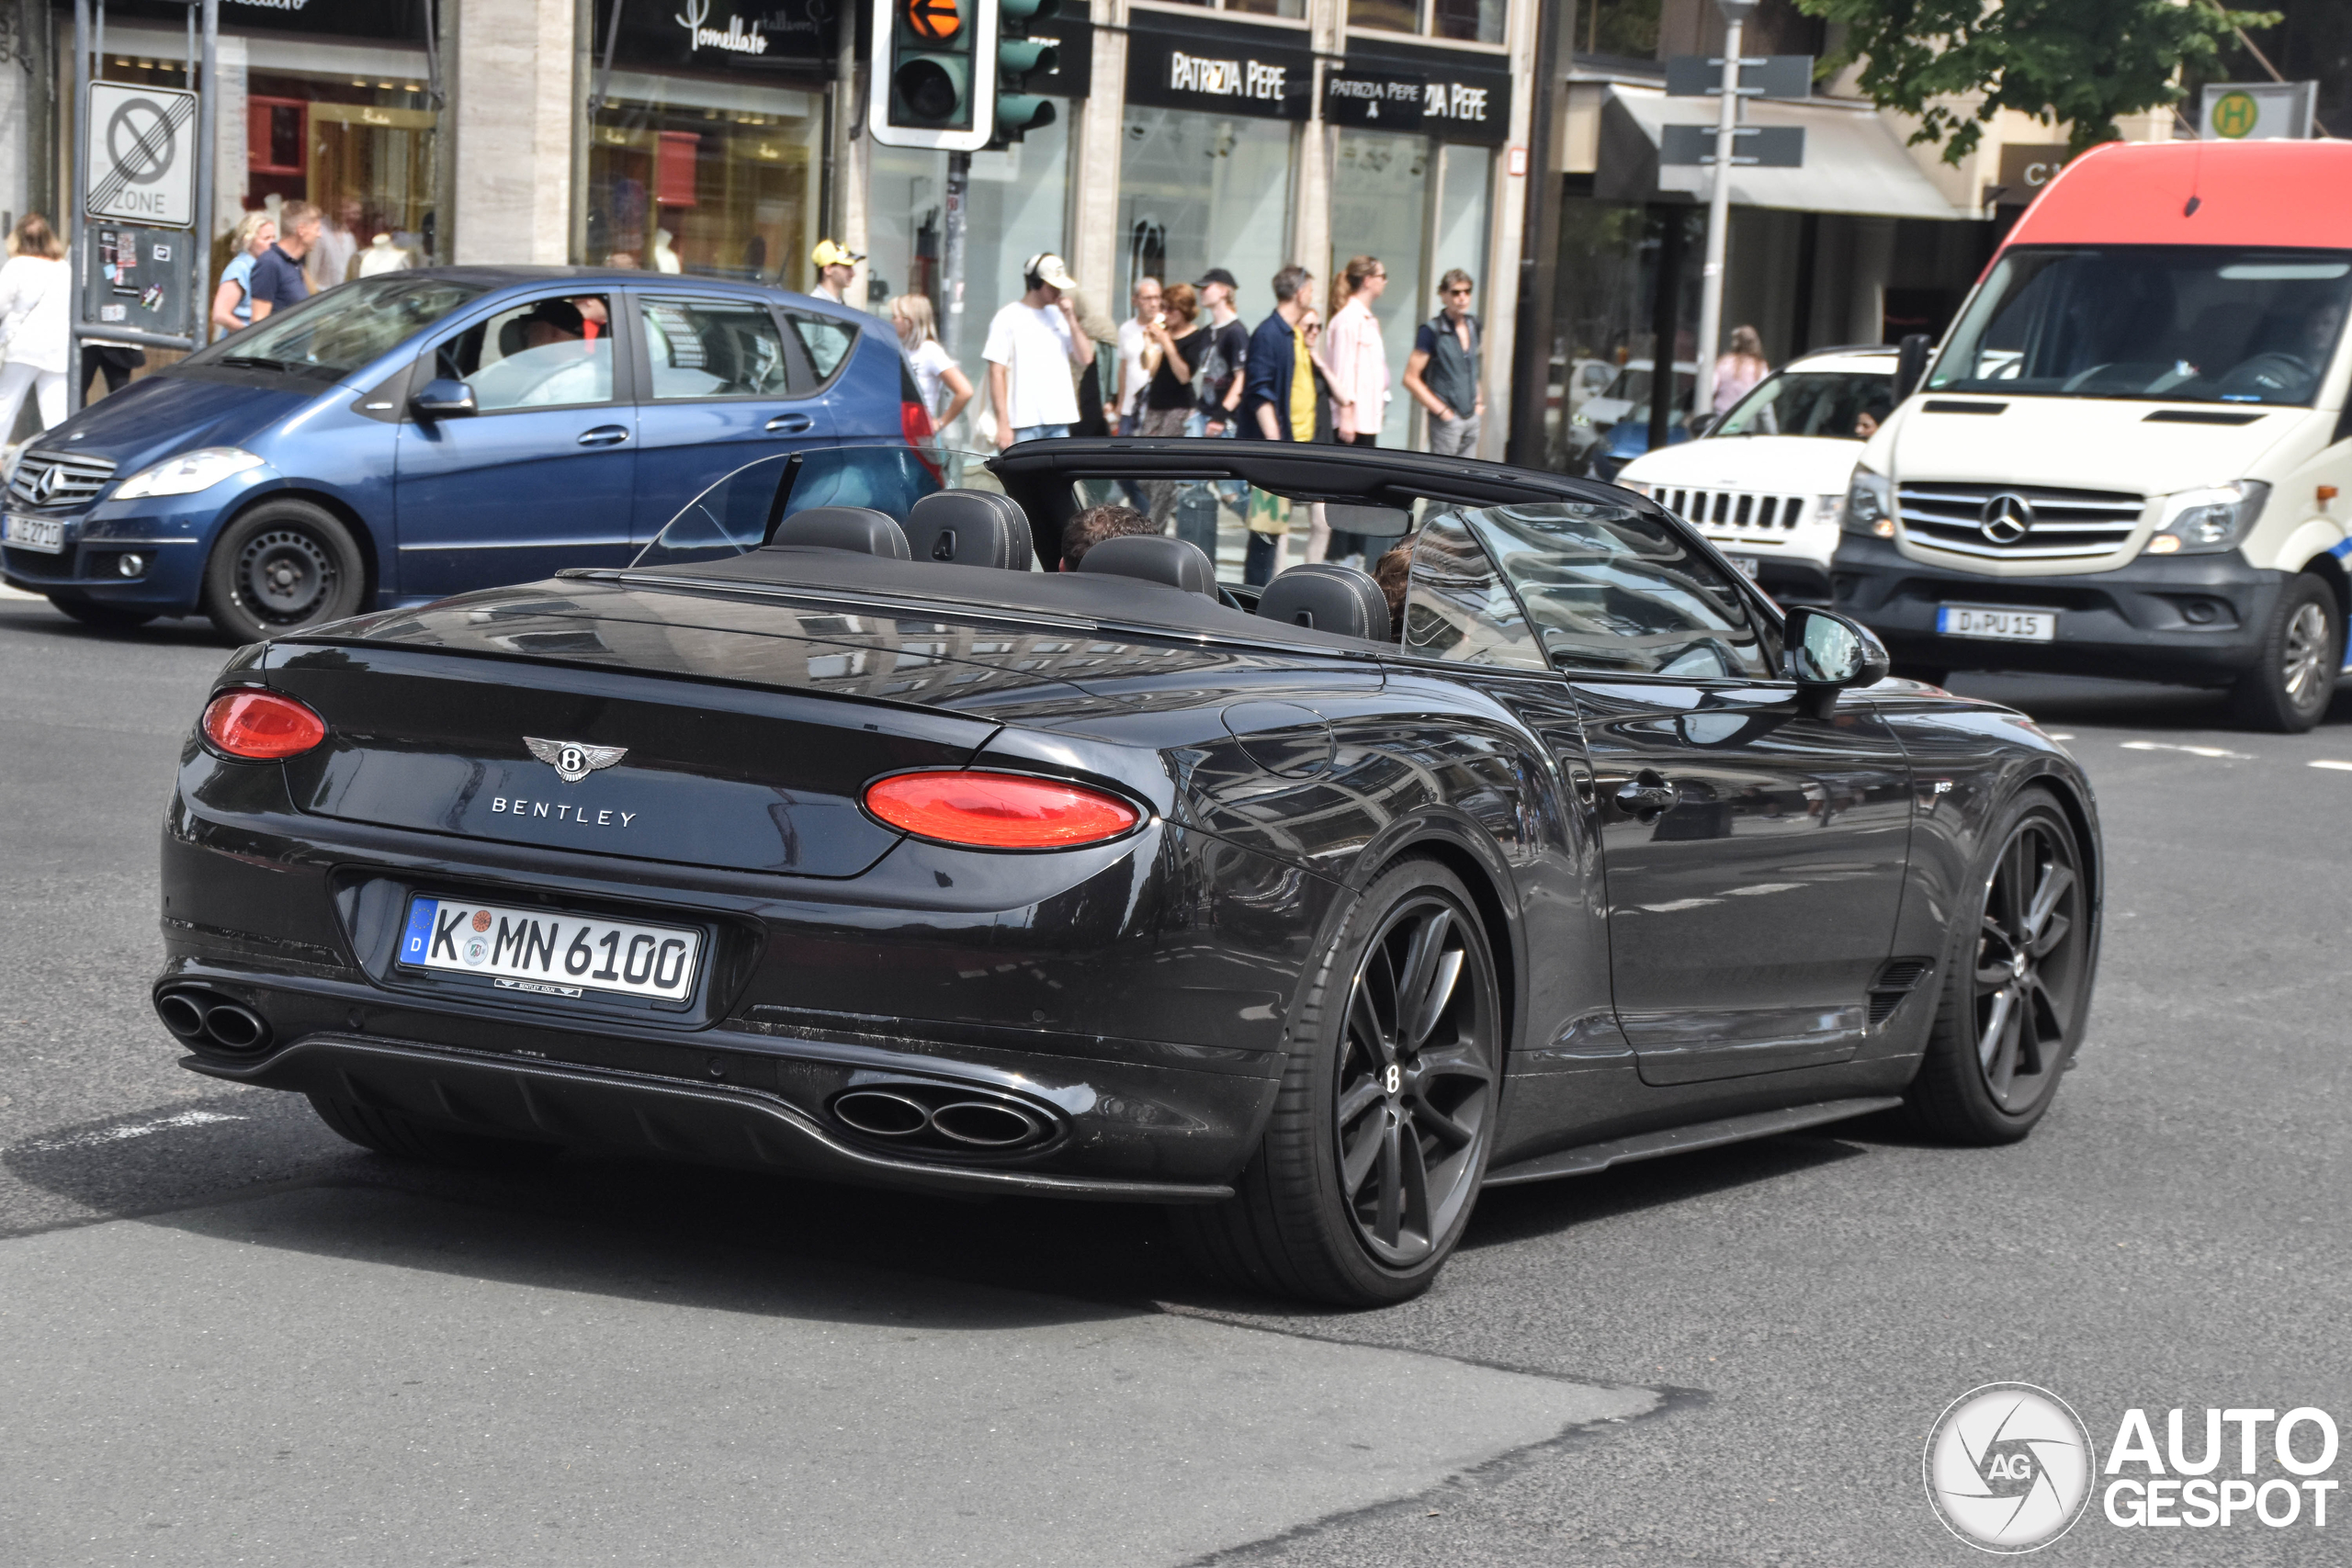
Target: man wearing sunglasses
{"x": 1442, "y": 374}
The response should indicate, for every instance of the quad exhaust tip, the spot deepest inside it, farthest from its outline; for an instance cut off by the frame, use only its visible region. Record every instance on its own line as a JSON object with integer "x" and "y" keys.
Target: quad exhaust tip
{"x": 945, "y": 1120}
{"x": 206, "y": 1018}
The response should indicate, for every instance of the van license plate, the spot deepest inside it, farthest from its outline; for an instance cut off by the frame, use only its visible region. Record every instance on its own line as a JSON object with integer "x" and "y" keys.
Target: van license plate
{"x": 46, "y": 534}
{"x": 1999, "y": 624}
{"x": 537, "y": 952}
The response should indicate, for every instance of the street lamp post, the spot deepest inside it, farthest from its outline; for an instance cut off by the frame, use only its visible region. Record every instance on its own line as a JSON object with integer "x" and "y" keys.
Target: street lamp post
{"x": 1710, "y": 281}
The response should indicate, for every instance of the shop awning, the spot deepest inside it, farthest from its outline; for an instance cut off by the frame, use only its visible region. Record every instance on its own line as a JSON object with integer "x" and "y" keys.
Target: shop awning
{"x": 1854, "y": 161}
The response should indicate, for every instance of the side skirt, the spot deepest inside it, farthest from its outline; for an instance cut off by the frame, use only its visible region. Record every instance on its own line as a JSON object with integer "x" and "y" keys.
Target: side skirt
{"x": 1586, "y": 1159}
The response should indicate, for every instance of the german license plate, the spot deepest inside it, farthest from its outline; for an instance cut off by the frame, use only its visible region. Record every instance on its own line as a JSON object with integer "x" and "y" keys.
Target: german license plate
{"x": 46, "y": 534}
{"x": 1746, "y": 564}
{"x": 535, "y": 952}
{"x": 1999, "y": 624}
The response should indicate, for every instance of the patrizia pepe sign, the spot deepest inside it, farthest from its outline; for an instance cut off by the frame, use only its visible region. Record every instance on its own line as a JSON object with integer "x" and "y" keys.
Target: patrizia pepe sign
{"x": 1454, "y": 99}
{"x": 1229, "y": 68}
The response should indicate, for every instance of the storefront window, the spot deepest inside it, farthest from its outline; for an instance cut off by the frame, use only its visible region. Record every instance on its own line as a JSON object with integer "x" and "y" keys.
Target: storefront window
{"x": 715, "y": 178}
{"x": 1203, "y": 190}
{"x": 1467, "y": 21}
{"x": 1380, "y": 206}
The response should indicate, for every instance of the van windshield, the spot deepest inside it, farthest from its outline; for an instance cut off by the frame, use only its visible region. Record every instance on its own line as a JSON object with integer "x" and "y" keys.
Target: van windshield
{"x": 2185, "y": 323}
{"x": 344, "y": 329}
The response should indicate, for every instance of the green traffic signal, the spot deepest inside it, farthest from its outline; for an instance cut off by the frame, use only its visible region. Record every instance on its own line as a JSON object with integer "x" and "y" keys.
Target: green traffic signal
{"x": 1028, "y": 10}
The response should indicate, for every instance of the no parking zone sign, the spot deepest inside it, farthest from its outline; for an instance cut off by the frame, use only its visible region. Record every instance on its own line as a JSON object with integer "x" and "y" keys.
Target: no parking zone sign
{"x": 143, "y": 155}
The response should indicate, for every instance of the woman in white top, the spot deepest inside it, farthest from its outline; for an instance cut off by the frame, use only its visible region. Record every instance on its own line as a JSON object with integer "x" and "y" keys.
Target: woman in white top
{"x": 1737, "y": 373}
{"x": 232, "y": 303}
{"x": 35, "y": 299}
{"x": 935, "y": 370}
{"x": 1357, "y": 360}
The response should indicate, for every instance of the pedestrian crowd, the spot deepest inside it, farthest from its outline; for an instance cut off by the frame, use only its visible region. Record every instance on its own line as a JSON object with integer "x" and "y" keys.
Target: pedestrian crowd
{"x": 1186, "y": 361}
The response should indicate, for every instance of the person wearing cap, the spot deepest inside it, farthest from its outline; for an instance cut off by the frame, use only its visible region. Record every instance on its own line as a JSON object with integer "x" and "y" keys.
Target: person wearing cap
{"x": 1036, "y": 351}
{"x": 836, "y": 266}
{"x": 1228, "y": 359}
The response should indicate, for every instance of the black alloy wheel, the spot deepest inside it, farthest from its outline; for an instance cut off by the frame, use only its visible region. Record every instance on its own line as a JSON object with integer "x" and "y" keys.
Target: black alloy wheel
{"x": 1372, "y": 1161}
{"x": 2293, "y": 678}
{"x": 284, "y": 565}
{"x": 2013, "y": 1004}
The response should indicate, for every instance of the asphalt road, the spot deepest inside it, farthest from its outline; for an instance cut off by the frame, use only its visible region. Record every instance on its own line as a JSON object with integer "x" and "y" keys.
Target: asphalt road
{"x": 227, "y": 1336}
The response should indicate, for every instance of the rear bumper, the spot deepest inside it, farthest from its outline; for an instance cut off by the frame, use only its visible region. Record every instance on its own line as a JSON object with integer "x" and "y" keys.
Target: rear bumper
{"x": 724, "y": 1123}
{"x": 2194, "y": 619}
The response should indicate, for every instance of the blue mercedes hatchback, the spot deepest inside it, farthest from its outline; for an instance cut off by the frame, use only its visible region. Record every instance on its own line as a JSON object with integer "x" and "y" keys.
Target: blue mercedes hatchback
{"x": 419, "y": 434}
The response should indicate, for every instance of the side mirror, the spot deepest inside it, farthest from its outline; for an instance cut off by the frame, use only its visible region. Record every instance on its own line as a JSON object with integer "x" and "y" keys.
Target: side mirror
{"x": 1702, "y": 424}
{"x": 442, "y": 399}
{"x": 1827, "y": 652}
{"x": 1911, "y": 363}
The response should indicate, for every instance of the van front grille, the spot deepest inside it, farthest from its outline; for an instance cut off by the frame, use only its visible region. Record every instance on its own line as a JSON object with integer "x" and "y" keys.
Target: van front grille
{"x": 2035, "y": 523}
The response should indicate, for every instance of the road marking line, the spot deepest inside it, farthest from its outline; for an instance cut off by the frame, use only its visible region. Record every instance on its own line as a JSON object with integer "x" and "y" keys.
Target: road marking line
{"x": 128, "y": 1130}
{"x": 2192, "y": 751}
{"x": 2323, "y": 762}
{"x": 2057, "y": 735}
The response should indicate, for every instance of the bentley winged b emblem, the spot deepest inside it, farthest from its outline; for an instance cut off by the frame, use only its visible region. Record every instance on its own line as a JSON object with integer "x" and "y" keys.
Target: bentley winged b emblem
{"x": 572, "y": 760}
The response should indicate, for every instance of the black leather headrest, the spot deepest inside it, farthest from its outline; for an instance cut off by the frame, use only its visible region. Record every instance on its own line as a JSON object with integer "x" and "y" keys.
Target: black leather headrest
{"x": 972, "y": 527}
{"x": 1155, "y": 557}
{"x": 858, "y": 528}
{"x": 1329, "y": 599}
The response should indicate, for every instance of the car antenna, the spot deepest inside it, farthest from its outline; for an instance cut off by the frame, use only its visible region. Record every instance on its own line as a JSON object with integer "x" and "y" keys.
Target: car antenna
{"x": 783, "y": 494}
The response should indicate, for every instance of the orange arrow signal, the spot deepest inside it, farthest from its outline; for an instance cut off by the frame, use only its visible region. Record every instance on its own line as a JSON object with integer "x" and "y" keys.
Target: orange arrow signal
{"x": 938, "y": 20}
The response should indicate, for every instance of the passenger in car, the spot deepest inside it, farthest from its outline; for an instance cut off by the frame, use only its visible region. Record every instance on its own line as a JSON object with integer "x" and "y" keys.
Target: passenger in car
{"x": 1390, "y": 571}
{"x": 1096, "y": 524}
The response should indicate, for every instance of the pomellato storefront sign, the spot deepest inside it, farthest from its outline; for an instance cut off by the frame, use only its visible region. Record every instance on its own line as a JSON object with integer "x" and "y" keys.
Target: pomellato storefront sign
{"x": 1226, "y": 68}
{"x": 763, "y": 36}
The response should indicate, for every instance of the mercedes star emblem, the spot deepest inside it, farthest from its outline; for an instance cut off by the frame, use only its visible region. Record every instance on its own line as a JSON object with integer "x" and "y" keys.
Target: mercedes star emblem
{"x": 2006, "y": 518}
{"x": 46, "y": 486}
{"x": 572, "y": 760}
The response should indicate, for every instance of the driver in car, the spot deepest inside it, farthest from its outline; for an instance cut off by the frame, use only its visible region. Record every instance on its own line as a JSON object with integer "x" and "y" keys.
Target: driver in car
{"x": 551, "y": 360}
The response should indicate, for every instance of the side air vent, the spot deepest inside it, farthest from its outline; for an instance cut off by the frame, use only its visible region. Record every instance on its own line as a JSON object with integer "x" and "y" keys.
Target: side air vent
{"x": 1896, "y": 980}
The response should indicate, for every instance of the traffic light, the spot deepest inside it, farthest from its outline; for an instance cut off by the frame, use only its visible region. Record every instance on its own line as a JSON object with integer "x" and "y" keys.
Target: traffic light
{"x": 1018, "y": 55}
{"x": 934, "y": 73}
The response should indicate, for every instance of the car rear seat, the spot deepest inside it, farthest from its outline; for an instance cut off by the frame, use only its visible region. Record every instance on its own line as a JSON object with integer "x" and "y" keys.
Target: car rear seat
{"x": 856, "y": 528}
{"x": 1154, "y": 557}
{"x": 972, "y": 527}
{"x": 1328, "y": 598}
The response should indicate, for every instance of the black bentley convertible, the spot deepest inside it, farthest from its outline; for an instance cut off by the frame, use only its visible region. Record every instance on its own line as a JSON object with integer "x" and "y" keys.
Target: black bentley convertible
{"x": 835, "y": 838}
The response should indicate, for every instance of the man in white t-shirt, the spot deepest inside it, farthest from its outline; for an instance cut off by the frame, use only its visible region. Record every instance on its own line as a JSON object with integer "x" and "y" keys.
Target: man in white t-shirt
{"x": 1035, "y": 352}
{"x": 1133, "y": 332}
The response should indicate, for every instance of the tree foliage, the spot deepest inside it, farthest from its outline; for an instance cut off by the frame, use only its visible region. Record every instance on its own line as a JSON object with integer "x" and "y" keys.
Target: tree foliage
{"x": 2082, "y": 62}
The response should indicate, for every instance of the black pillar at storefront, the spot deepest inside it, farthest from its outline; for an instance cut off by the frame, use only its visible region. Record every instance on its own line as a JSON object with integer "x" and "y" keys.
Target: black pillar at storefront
{"x": 1664, "y": 327}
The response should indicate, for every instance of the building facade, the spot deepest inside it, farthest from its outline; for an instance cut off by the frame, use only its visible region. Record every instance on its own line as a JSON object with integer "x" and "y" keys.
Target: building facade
{"x": 725, "y": 136}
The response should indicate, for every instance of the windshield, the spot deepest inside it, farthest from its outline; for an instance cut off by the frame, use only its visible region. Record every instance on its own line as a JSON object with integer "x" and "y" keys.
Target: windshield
{"x": 736, "y": 516}
{"x": 336, "y": 333}
{"x": 2186, "y": 323}
{"x": 1632, "y": 385}
{"x": 1812, "y": 402}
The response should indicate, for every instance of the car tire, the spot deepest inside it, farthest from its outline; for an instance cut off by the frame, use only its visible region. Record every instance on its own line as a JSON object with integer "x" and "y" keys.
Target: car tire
{"x": 104, "y": 617}
{"x": 283, "y": 567}
{"x": 2005, "y": 1031}
{"x": 2295, "y": 676}
{"x": 402, "y": 1137}
{"x": 1371, "y": 1161}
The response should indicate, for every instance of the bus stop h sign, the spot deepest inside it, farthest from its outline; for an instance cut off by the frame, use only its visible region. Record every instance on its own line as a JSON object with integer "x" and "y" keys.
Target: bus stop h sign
{"x": 143, "y": 155}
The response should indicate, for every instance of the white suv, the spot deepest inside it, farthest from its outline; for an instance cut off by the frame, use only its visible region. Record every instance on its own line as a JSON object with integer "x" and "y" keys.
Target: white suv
{"x": 1766, "y": 482}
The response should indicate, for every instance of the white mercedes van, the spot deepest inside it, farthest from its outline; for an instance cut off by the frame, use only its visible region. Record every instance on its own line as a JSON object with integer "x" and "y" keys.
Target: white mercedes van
{"x": 2131, "y": 454}
{"x": 1766, "y": 482}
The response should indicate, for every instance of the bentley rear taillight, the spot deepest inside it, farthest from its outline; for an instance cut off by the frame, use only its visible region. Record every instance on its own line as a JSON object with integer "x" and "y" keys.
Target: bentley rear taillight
{"x": 998, "y": 811}
{"x": 261, "y": 727}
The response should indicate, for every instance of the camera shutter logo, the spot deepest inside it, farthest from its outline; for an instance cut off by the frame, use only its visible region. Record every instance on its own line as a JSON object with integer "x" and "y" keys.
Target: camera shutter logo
{"x": 2008, "y": 1467}
{"x": 2006, "y": 518}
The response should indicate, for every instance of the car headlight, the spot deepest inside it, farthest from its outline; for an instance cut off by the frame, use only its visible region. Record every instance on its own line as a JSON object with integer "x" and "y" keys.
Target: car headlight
{"x": 1870, "y": 505}
{"x": 187, "y": 473}
{"x": 2201, "y": 521}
